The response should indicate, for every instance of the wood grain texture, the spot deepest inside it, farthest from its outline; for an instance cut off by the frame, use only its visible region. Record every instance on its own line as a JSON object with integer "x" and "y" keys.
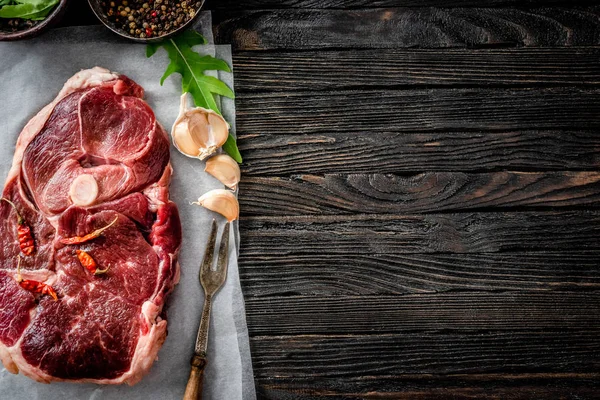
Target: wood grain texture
{"x": 229, "y": 5}
{"x": 435, "y": 387}
{"x": 407, "y": 27}
{"x": 448, "y": 312}
{"x": 395, "y": 273}
{"x": 347, "y": 356}
{"x": 470, "y": 272}
{"x": 472, "y": 232}
{"x": 411, "y": 153}
{"x": 345, "y": 69}
{"x": 375, "y": 111}
{"x": 426, "y": 192}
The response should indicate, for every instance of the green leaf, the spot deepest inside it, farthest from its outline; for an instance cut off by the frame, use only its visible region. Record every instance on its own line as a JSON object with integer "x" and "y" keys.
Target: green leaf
{"x": 151, "y": 48}
{"x": 28, "y": 9}
{"x": 217, "y": 86}
{"x": 191, "y": 38}
{"x": 191, "y": 66}
{"x": 201, "y": 94}
{"x": 231, "y": 148}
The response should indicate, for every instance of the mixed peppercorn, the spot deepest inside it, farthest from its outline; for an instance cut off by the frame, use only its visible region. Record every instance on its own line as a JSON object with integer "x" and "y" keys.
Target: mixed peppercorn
{"x": 16, "y": 24}
{"x": 148, "y": 19}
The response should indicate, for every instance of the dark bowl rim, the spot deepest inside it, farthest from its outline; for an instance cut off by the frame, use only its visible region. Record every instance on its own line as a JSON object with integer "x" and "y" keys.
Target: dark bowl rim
{"x": 119, "y": 32}
{"x": 52, "y": 18}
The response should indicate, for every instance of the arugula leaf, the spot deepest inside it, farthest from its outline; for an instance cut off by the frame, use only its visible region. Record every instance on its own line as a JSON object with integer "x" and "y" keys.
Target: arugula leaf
{"x": 27, "y": 9}
{"x": 231, "y": 148}
{"x": 191, "y": 66}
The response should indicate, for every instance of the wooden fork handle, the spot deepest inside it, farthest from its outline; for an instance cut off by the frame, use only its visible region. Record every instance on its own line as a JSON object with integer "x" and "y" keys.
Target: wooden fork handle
{"x": 193, "y": 390}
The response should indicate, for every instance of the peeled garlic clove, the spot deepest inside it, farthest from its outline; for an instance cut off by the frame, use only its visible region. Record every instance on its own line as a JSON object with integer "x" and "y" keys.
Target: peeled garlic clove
{"x": 225, "y": 169}
{"x": 222, "y": 201}
{"x": 198, "y": 132}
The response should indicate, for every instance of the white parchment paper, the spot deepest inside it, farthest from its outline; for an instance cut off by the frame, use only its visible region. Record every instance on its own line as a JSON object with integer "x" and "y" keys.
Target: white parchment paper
{"x": 31, "y": 74}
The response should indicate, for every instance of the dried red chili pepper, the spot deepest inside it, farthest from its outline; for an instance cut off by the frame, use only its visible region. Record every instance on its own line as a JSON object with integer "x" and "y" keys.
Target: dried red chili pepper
{"x": 89, "y": 236}
{"x": 24, "y": 235}
{"x": 89, "y": 263}
{"x": 34, "y": 286}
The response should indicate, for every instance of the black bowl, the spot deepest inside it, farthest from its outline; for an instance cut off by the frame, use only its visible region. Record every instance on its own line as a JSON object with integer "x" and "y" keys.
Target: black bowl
{"x": 97, "y": 8}
{"x": 52, "y": 19}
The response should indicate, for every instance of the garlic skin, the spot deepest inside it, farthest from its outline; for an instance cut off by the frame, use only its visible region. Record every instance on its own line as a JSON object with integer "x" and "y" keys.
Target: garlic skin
{"x": 198, "y": 132}
{"x": 222, "y": 201}
{"x": 225, "y": 169}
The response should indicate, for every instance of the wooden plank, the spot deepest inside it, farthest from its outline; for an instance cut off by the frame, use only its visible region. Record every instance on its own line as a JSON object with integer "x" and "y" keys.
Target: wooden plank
{"x": 447, "y": 312}
{"x": 423, "y": 110}
{"x": 346, "y": 356}
{"x": 410, "y": 153}
{"x": 344, "y": 69}
{"x": 229, "y": 5}
{"x": 350, "y": 274}
{"x": 472, "y": 232}
{"x": 425, "y": 192}
{"x": 407, "y": 27}
{"x": 419, "y": 387}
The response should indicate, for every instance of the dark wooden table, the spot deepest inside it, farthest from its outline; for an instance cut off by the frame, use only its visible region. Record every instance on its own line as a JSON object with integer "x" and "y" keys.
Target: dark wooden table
{"x": 420, "y": 196}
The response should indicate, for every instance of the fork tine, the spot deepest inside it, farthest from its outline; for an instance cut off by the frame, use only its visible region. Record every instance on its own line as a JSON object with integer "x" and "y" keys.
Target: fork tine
{"x": 210, "y": 250}
{"x": 223, "y": 253}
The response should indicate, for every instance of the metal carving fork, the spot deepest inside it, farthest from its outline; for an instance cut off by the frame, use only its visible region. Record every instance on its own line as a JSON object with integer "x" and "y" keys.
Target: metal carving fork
{"x": 211, "y": 281}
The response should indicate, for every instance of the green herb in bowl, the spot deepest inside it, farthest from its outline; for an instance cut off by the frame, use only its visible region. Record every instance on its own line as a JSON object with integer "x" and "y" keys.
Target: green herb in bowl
{"x": 23, "y": 14}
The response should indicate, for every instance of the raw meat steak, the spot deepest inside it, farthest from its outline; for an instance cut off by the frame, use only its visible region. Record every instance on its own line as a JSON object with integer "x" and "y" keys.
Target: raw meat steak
{"x": 95, "y": 155}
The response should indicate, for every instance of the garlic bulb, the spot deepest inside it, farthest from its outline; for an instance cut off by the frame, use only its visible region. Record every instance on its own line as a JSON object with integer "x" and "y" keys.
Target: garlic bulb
{"x": 222, "y": 201}
{"x": 198, "y": 132}
{"x": 225, "y": 169}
